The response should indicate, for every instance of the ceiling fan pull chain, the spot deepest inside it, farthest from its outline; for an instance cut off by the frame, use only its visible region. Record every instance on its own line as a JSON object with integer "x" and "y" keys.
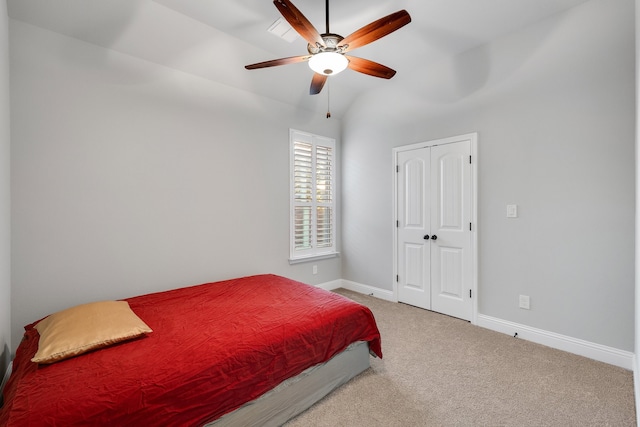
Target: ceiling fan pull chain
{"x": 328, "y": 97}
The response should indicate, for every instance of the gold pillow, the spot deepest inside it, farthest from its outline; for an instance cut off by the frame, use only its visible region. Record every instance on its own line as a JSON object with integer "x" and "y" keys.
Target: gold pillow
{"x": 86, "y": 327}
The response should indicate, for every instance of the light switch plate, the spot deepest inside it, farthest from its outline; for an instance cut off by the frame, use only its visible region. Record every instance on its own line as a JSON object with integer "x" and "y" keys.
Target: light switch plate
{"x": 512, "y": 211}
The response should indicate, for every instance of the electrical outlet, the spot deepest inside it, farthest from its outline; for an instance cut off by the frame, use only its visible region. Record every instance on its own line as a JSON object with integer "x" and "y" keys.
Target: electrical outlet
{"x": 525, "y": 302}
{"x": 512, "y": 211}
{"x": 315, "y": 269}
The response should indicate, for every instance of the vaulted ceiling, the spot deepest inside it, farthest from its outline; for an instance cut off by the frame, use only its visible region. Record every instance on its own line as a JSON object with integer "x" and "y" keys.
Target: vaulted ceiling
{"x": 214, "y": 39}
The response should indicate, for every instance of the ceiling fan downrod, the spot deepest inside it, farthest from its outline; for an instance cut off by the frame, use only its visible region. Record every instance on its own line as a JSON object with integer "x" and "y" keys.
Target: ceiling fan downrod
{"x": 326, "y": 14}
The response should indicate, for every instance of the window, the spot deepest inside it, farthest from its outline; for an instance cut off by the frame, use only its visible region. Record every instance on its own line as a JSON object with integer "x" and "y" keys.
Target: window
{"x": 313, "y": 220}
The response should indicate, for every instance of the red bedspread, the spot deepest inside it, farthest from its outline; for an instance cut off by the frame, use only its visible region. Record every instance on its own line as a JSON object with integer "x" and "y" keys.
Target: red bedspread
{"x": 213, "y": 347}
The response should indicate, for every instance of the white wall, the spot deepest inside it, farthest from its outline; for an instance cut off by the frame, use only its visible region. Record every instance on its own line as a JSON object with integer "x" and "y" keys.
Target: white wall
{"x": 554, "y": 108}
{"x": 129, "y": 178}
{"x": 5, "y": 276}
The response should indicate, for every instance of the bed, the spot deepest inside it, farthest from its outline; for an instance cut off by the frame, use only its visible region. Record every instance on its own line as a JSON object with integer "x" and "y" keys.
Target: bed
{"x": 250, "y": 351}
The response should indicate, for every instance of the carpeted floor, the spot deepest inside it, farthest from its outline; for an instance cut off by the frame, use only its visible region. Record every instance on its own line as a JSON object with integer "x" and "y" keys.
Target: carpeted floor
{"x": 441, "y": 371}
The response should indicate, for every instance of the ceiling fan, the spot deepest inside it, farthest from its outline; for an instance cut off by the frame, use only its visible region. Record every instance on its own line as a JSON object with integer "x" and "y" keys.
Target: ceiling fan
{"x": 327, "y": 51}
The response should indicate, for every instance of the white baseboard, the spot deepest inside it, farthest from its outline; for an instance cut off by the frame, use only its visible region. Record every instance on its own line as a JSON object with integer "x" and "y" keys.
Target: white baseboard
{"x": 602, "y": 353}
{"x": 368, "y": 290}
{"x": 359, "y": 288}
{"x": 329, "y": 286}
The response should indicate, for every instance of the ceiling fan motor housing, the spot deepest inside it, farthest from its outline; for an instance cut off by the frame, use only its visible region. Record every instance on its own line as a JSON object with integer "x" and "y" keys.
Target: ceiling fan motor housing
{"x": 331, "y": 42}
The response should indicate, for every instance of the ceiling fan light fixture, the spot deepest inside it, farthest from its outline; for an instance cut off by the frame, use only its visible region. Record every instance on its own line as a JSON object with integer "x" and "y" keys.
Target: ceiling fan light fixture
{"x": 328, "y": 63}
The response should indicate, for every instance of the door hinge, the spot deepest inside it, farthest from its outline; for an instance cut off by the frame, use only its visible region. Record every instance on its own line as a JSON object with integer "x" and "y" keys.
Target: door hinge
{"x": 469, "y": 226}
{"x": 397, "y": 278}
{"x": 397, "y": 224}
{"x": 469, "y": 293}
{"x": 469, "y": 159}
{"x": 397, "y": 168}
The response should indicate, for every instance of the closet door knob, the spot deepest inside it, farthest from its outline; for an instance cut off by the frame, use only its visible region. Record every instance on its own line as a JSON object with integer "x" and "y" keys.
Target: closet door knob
{"x": 434, "y": 237}
{"x": 426, "y": 237}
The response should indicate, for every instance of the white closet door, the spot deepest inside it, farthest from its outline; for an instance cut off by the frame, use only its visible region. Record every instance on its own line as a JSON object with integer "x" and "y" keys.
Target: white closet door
{"x": 434, "y": 237}
{"x": 413, "y": 227}
{"x": 450, "y": 229}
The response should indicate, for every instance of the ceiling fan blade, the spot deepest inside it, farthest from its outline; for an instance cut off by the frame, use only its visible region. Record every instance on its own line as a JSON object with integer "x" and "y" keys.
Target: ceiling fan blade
{"x": 317, "y": 83}
{"x": 299, "y": 22}
{"x": 369, "y": 67}
{"x": 276, "y": 62}
{"x": 375, "y": 30}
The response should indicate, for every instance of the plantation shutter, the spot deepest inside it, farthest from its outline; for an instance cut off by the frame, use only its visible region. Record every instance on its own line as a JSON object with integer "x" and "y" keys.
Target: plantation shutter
{"x": 324, "y": 196}
{"x": 303, "y": 194}
{"x": 312, "y": 195}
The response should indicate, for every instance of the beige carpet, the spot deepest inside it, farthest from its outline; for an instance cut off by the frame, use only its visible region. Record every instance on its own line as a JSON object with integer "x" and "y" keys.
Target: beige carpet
{"x": 441, "y": 371}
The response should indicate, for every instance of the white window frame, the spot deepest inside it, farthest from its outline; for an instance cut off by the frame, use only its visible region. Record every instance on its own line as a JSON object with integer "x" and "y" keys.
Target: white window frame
{"x": 313, "y": 252}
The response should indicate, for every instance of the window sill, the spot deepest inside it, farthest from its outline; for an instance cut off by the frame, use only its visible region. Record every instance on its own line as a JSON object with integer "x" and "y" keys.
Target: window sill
{"x": 313, "y": 258}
